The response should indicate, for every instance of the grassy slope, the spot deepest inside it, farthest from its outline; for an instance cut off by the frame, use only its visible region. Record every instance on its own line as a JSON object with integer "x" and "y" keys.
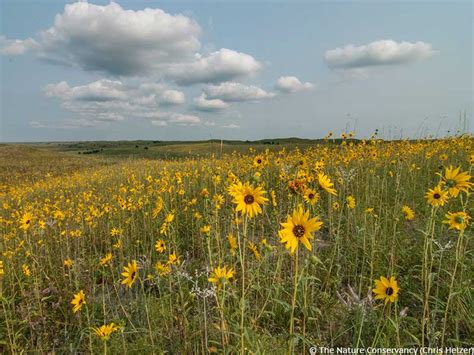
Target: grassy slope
{"x": 30, "y": 163}
{"x": 166, "y": 149}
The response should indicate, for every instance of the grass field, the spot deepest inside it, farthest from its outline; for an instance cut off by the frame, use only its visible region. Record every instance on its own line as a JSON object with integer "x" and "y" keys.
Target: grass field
{"x": 236, "y": 247}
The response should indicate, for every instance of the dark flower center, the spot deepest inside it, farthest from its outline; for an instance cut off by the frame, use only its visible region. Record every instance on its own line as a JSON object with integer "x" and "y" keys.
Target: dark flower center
{"x": 259, "y": 161}
{"x": 132, "y": 275}
{"x": 459, "y": 219}
{"x": 436, "y": 195}
{"x": 311, "y": 196}
{"x": 249, "y": 199}
{"x": 389, "y": 291}
{"x": 298, "y": 231}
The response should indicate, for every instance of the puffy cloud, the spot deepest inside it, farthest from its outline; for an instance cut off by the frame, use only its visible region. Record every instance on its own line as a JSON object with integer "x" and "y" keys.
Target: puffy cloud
{"x": 383, "y": 52}
{"x": 164, "y": 95}
{"x": 109, "y": 100}
{"x": 163, "y": 118}
{"x": 219, "y": 66}
{"x": 119, "y": 42}
{"x": 113, "y": 40}
{"x": 201, "y": 103}
{"x": 184, "y": 119}
{"x": 172, "y": 97}
{"x": 103, "y": 90}
{"x": 236, "y": 92}
{"x": 16, "y": 46}
{"x": 290, "y": 84}
{"x": 103, "y": 111}
{"x": 100, "y": 90}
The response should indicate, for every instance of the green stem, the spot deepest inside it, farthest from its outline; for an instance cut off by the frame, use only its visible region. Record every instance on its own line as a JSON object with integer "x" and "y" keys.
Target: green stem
{"x": 242, "y": 297}
{"x": 293, "y": 303}
{"x": 451, "y": 286}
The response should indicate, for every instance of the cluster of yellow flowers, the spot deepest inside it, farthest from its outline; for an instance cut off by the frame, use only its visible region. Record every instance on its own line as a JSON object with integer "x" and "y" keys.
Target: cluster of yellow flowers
{"x": 452, "y": 183}
{"x": 197, "y": 209}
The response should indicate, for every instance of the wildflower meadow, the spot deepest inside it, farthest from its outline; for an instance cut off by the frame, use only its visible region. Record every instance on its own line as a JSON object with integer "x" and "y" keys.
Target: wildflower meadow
{"x": 251, "y": 249}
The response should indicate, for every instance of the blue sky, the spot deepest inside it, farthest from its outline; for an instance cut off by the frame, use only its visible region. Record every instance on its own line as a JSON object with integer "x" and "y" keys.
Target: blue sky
{"x": 233, "y": 69}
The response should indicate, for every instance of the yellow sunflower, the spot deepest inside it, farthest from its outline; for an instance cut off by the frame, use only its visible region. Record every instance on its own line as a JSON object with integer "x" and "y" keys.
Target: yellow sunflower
{"x": 351, "y": 202}
{"x": 249, "y": 199}
{"x": 106, "y": 259}
{"x": 437, "y": 196}
{"x": 169, "y": 218}
{"x": 326, "y": 184}
{"x": 302, "y": 163}
{"x": 408, "y": 212}
{"x": 130, "y": 273}
{"x": 457, "y": 220}
{"x": 235, "y": 188}
{"x": 254, "y": 249}
{"x": 68, "y": 262}
{"x": 160, "y": 246}
{"x": 25, "y": 221}
{"x": 220, "y": 275}
{"x": 386, "y": 289}
{"x": 104, "y": 331}
{"x": 158, "y": 207}
{"x": 298, "y": 228}
{"x": 311, "y": 196}
{"x": 26, "y": 270}
{"x": 319, "y": 165}
{"x": 114, "y": 232}
{"x": 78, "y": 301}
{"x": 162, "y": 269}
{"x": 259, "y": 161}
{"x": 204, "y": 192}
{"x": 205, "y": 229}
{"x": 173, "y": 258}
{"x": 456, "y": 181}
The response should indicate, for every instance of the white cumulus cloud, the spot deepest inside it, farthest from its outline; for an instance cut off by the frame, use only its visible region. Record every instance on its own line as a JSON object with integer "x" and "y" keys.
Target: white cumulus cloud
{"x": 150, "y": 42}
{"x": 13, "y": 47}
{"x": 172, "y": 97}
{"x": 383, "y": 52}
{"x": 291, "y": 84}
{"x": 219, "y": 66}
{"x": 184, "y": 119}
{"x": 164, "y": 118}
{"x": 236, "y": 92}
{"x": 111, "y": 100}
{"x": 116, "y": 41}
{"x": 100, "y": 90}
{"x": 202, "y": 103}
